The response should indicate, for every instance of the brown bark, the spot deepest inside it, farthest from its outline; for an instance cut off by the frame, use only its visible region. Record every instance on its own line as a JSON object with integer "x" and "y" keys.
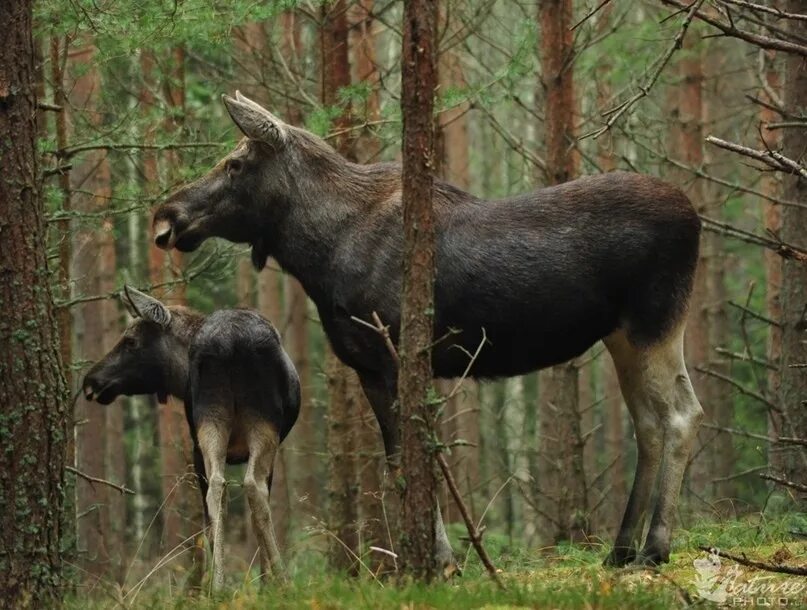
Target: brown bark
{"x": 182, "y": 510}
{"x": 614, "y": 410}
{"x": 367, "y": 146}
{"x": 415, "y": 393}
{"x": 33, "y": 394}
{"x": 771, "y": 186}
{"x": 342, "y": 382}
{"x": 100, "y": 527}
{"x": 793, "y": 387}
{"x": 561, "y": 474}
{"x": 461, "y": 413}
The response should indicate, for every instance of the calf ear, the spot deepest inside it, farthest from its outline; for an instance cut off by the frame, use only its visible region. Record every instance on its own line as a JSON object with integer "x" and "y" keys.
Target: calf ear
{"x": 146, "y": 307}
{"x": 254, "y": 121}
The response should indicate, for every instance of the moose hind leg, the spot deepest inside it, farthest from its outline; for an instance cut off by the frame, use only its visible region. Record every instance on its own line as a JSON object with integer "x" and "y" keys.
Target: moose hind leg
{"x": 213, "y": 438}
{"x": 680, "y": 414}
{"x": 629, "y": 364}
{"x": 263, "y": 442}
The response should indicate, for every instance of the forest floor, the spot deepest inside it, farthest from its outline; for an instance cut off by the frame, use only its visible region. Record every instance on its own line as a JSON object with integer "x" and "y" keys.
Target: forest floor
{"x": 565, "y": 577}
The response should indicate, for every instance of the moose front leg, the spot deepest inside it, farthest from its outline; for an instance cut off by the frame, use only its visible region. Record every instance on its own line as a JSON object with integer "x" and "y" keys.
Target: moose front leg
{"x": 381, "y": 396}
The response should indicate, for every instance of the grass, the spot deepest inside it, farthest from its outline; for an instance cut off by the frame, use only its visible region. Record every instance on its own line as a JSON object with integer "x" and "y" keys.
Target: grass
{"x": 565, "y": 577}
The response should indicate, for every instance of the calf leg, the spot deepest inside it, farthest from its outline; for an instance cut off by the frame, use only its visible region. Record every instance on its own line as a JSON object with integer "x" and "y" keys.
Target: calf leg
{"x": 213, "y": 438}
{"x": 263, "y": 442}
{"x": 382, "y": 398}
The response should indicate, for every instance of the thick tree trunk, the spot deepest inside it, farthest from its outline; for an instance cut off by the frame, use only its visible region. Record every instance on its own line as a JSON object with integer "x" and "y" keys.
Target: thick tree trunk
{"x": 561, "y": 474}
{"x": 771, "y": 186}
{"x": 367, "y": 146}
{"x": 793, "y": 388}
{"x": 461, "y": 413}
{"x": 33, "y": 395}
{"x": 416, "y": 396}
{"x": 342, "y": 389}
{"x": 96, "y": 329}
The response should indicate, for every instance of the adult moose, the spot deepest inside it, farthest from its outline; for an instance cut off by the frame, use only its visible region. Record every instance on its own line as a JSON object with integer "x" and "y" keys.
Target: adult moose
{"x": 545, "y": 274}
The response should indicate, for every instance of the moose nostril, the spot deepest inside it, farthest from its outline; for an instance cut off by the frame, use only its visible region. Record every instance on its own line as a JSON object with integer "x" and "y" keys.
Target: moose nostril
{"x": 163, "y": 232}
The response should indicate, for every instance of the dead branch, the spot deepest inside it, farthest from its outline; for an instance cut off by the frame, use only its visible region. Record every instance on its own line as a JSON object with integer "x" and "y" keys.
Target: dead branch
{"x": 760, "y": 565}
{"x": 71, "y": 151}
{"x": 729, "y": 29}
{"x": 792, "y": 440}
{"x": 771, "y": 158}
{"x": 746, "y": 358}
{"x": 735, "y": 431}
{"x": 86, "y": 477}
{"x": 59, "y": 170}
{"x": 473, "y": 532}
{"x": 383, "y": 331}
{"x": 754, "y": 314}
{"x": 590, "y": 14}
{"x": 781, "y": 248}
{"x": 644, "y": 90}
{"x": 770, "y": 10}
{"x": 742, "y": 389}
{"x": 783, "y": 481}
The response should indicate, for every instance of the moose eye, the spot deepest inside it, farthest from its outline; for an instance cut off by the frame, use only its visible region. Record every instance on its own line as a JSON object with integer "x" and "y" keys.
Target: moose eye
{"x": 234, "y": 167}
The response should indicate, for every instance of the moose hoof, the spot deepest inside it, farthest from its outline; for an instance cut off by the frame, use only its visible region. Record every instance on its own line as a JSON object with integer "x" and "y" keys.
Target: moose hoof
{"x": 620, "y": 556}
{"x": 652, "y": 557}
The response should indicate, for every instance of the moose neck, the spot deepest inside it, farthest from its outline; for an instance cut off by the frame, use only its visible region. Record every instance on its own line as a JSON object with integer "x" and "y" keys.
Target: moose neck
{"x": 184, "y": 326}
{"x": 322, "y": 214}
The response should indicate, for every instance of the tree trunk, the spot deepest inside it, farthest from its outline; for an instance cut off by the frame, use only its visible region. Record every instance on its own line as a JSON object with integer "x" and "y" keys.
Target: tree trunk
{"x": 366, "y": 148}
{"x": 793, "y": 388}
{"x": 771, "y": 186}
{"x": 561, "y": 475}
{"x": 96, "y": 328}
{"x": 416, "y": 396}
{"x": 33, "y": 394}
{"x": 461, "y": 413}
{"x": 342, "y": 390}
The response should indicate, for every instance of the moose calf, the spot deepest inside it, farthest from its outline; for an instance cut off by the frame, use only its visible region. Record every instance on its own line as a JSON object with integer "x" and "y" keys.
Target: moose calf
{"x": 241, "y": 394}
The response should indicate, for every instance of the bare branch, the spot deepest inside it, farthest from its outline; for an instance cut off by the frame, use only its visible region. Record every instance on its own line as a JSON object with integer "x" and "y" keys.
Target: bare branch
{"x": 742, "y": 389}
{"x": 770, "y": 158}
{"x": 782, "y": 249}
{"x": 86, "y": 477}
{"x": 784, "y": 481}
{"x": 473, "y": 532}
{"x": 770, "y": 10}
{"x": 729, "y": 29}
{"x": 797, "y": 571}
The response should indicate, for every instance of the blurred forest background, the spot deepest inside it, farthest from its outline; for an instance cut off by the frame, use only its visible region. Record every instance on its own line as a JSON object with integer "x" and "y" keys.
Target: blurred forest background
{"x": 529, "y": 95}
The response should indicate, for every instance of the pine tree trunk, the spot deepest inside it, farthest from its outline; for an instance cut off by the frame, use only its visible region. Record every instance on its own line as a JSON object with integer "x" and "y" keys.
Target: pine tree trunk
{"x": 342, "y": 390}
{"x": 418, "y": 470}
{"x": 771, "y": 186}
{"x": 461, "y": 415}
{"x": 33, "y": 394}
{"x": 561, "y": 474}
{"x": 793, "y": 388}
{"x": 367, "y": 146}
{"x": 94, "y": 269}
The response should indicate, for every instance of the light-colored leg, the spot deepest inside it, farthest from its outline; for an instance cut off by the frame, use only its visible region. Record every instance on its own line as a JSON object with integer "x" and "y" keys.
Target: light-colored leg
{"x": 629, "y": 363}
{"x": 213, "y": 438}
{"x": 680, "y": 414}
{"x": 263, "y": 442}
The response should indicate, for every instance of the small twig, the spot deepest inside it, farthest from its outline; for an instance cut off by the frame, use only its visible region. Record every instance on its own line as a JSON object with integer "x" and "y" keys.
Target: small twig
{"x": 797, "y": 571}
{"x": 67, "y": 153}
{"x": 771, "y": 10}
{"x": 86, "y": 477}
{"x": 57, "y": 171}
{"x": 735, "y": 431}
{"x": 782, "y": 249}
{"x": 783, "y": 481}
{"x": 473, "y": 532}
{"x": 746, "y": 358}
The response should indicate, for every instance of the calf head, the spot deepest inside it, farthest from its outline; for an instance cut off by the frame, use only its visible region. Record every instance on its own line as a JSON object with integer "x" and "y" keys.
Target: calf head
{"x": 249, "y": 193}
{"x": 143, "y": 359}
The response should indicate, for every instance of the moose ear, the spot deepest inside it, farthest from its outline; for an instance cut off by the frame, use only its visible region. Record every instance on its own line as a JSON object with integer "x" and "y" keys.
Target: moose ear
{"x": 143, "y": 306}
{"x": 254, "y": 121}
